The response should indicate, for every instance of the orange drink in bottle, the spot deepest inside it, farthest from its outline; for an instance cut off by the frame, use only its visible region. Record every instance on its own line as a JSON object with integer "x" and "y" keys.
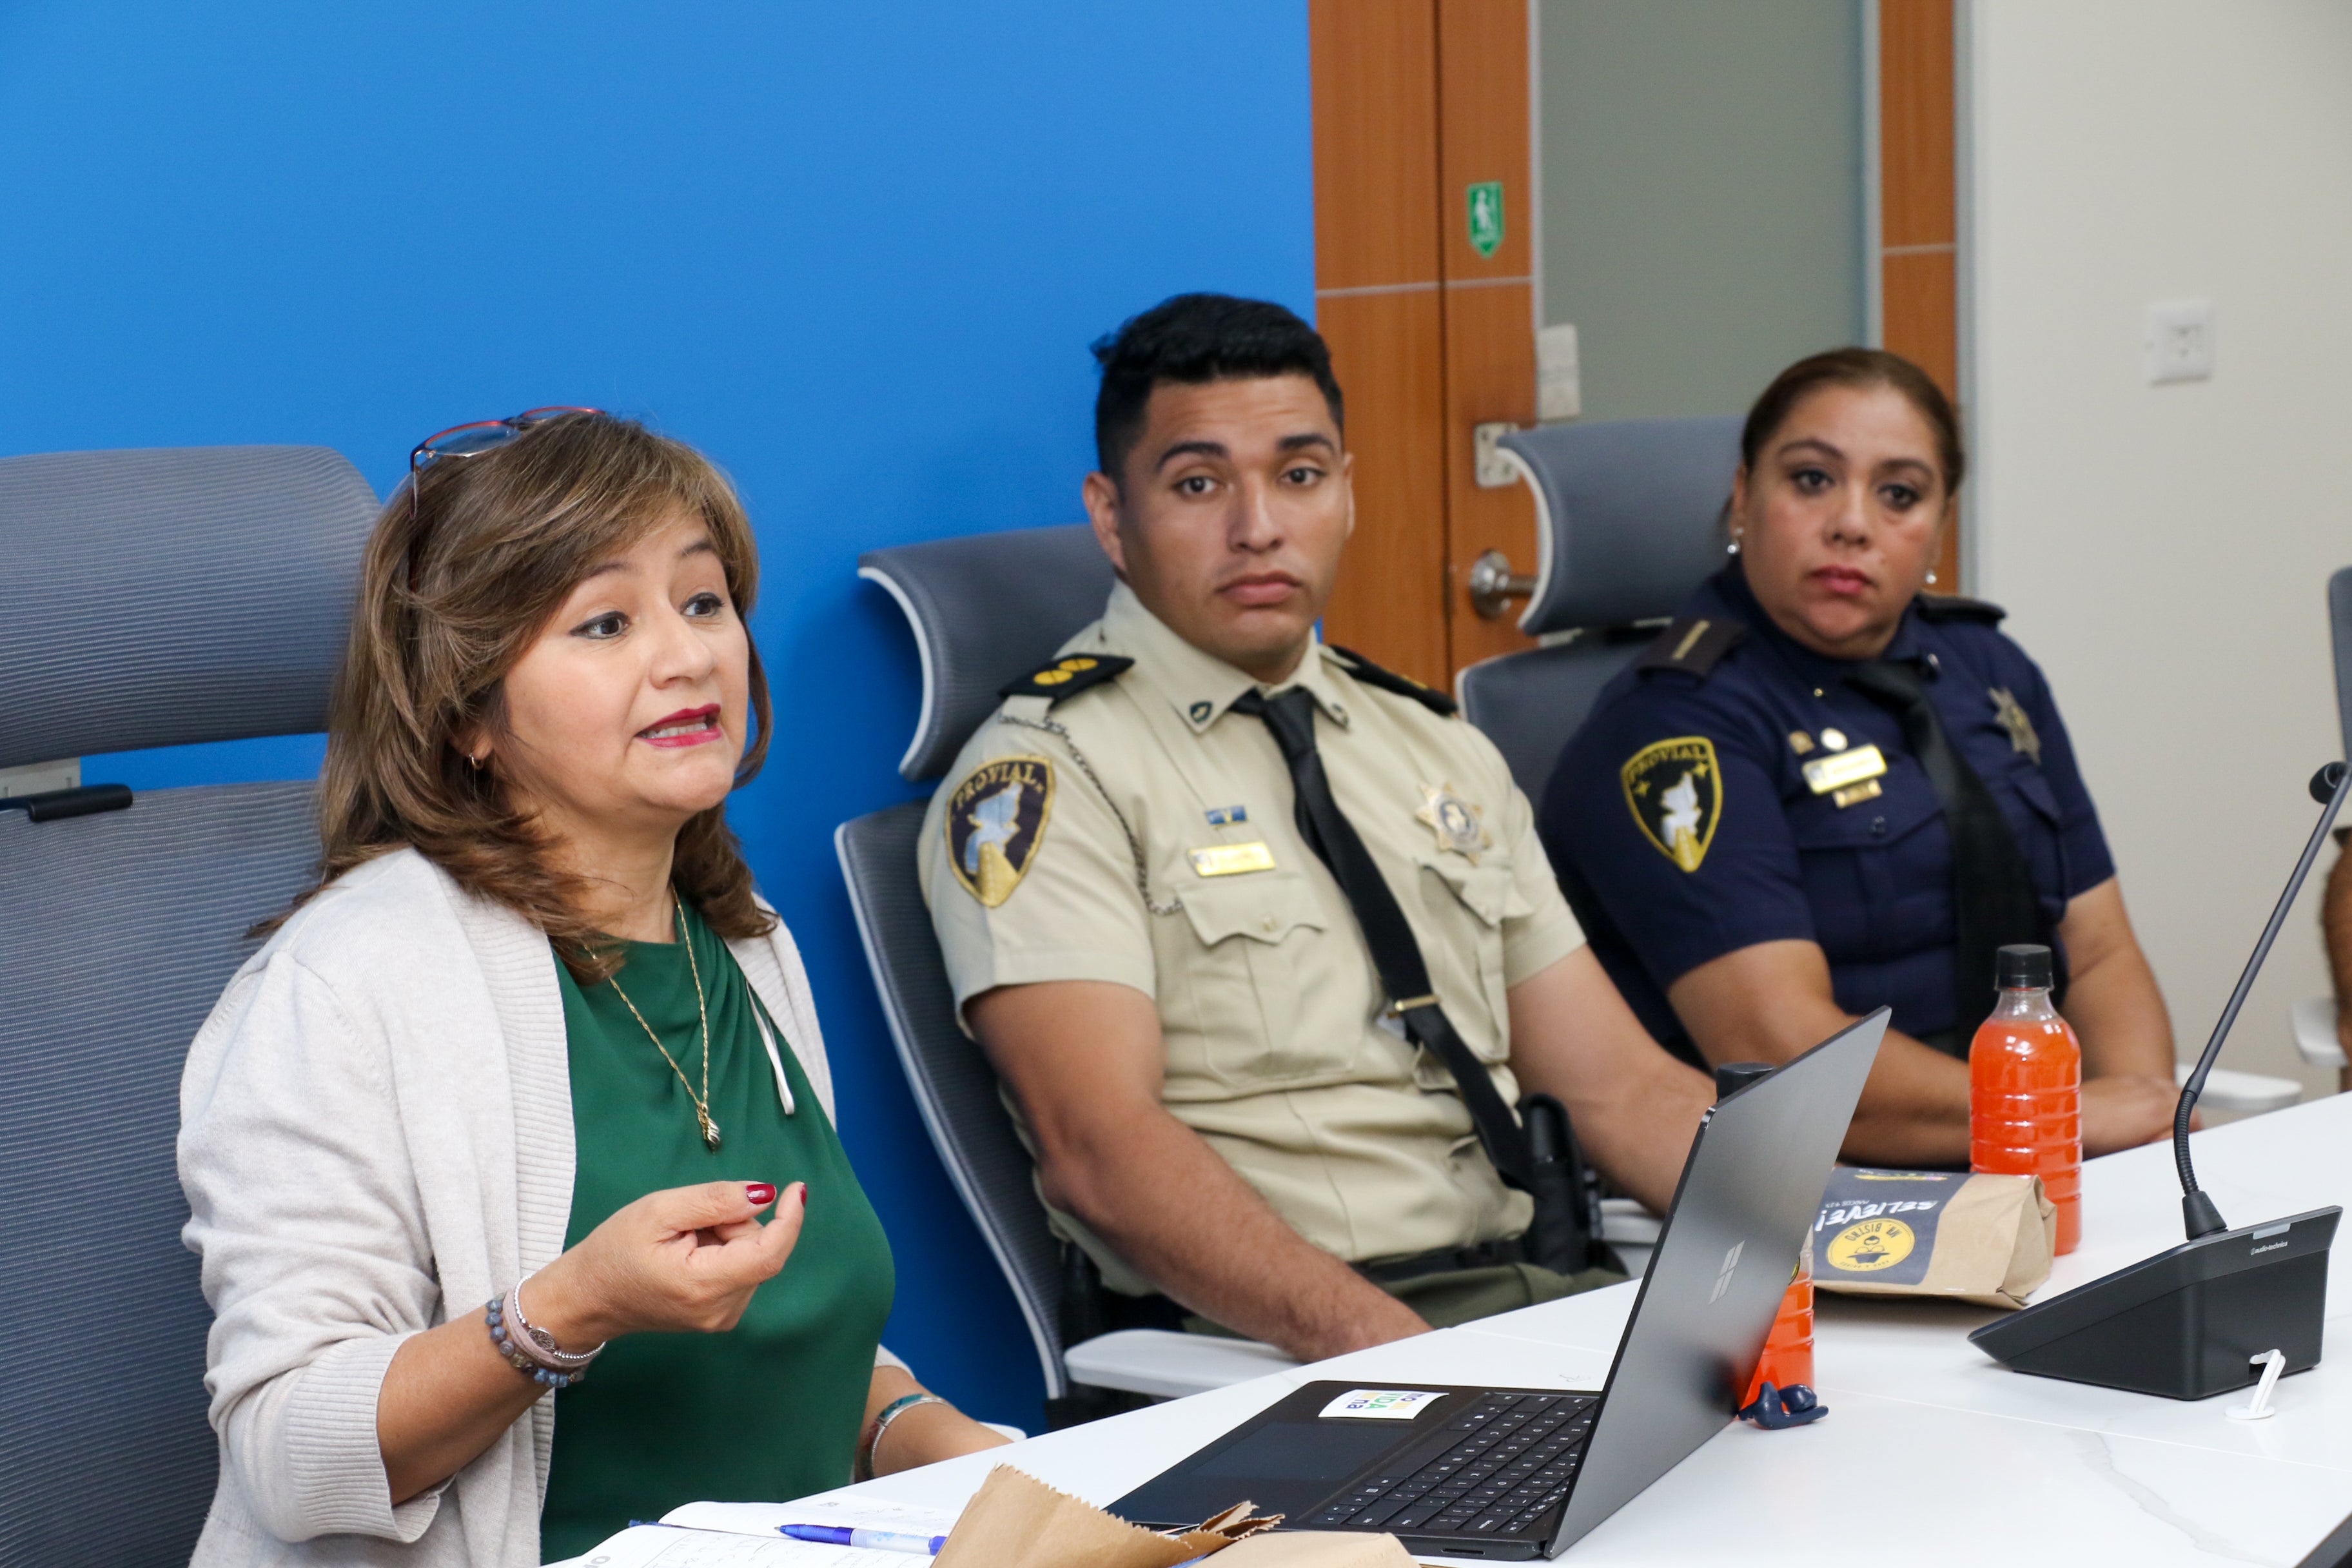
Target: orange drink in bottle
{"x": 1789, "y": 1349}
{"x": 2025, "y": 1089}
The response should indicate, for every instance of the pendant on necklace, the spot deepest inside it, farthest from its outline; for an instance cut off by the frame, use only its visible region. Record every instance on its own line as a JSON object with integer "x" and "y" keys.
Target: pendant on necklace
{"x": 709, "y": 1129}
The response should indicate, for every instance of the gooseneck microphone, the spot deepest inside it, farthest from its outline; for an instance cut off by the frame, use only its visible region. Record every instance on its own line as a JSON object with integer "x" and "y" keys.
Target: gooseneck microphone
{"x": 2328, "y": 787}
{"x": 2203, "y": 1317}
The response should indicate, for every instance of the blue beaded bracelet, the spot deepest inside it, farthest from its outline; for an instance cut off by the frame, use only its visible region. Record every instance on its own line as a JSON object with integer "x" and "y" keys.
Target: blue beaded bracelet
{"x": 546, "y": 1377}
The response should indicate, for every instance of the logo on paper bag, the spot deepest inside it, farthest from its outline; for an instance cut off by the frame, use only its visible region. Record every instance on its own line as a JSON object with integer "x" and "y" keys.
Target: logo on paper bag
{"x": 1381, "y": 1404}
{"x": 1873, "y": 1245}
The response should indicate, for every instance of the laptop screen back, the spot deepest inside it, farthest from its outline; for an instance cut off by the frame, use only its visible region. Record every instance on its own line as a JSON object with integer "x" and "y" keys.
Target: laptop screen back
{"x": 1749, "y": 1195}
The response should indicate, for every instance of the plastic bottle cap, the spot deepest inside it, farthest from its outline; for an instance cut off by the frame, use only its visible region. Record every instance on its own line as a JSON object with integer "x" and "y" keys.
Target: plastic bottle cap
{"x": 2023, "y": 967}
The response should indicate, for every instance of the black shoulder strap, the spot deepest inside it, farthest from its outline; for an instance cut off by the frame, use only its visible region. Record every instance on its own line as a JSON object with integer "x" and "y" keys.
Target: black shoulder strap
{"x": 1694, "y": 645}
{"x": 1953, "y": 607}
{"x": 1372, "y": 673}
{"x": 1068, "y": 677}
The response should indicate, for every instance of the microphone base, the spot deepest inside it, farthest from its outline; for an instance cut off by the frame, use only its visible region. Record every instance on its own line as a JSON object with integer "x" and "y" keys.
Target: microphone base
{"x": 2187, "y": 1323}
{"x": 2199, "y": 1217}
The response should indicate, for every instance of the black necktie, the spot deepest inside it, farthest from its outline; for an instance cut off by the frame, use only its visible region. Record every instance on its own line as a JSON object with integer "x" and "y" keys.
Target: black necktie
{"x": 1395, "y": 954}
{"x": 1993, "y": 898}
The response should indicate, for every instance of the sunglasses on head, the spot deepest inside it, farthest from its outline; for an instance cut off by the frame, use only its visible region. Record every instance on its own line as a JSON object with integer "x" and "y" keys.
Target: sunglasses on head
{"x": 469, "y": 440}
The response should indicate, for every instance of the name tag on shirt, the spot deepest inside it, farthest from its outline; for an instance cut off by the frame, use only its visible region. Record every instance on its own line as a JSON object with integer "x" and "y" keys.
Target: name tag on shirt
{"x": 1232, "y": 859}
{"x": 1826, "y": 776}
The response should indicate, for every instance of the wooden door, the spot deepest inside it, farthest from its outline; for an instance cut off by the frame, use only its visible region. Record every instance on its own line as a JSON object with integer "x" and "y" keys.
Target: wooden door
{"x": 1418, "y": 104}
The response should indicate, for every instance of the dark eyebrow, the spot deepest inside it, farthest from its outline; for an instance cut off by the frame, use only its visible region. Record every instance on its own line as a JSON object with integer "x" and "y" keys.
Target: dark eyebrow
{"x": 1818, "y": 444}
{"x": 1191, "y": 449}
{"x": 1217, "y": 448}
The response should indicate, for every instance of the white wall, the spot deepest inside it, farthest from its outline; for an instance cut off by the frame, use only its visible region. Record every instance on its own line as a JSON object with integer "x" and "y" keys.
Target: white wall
{"x": 2163, "y": 550}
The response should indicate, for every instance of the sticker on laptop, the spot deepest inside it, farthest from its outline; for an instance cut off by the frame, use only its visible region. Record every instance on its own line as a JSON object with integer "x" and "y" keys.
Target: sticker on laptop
{"x": 1381, "y": 1404}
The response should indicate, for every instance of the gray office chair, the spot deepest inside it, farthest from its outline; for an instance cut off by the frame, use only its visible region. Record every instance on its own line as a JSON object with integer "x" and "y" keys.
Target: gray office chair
{"x": 1627, "y": 525}
{"x": 147, "y": 598}
{"x": 987, "y": 609}
{"x": 1628, "y": 519}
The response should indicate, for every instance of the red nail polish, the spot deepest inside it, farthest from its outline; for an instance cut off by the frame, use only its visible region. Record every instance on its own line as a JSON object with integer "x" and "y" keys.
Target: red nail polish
{"x": 803, "y": 1186}
{"x": 761, "y": 1194}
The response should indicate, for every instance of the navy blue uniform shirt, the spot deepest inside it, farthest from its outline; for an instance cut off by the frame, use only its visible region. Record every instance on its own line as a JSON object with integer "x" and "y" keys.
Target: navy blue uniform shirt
{"x": 1684, "y": 827}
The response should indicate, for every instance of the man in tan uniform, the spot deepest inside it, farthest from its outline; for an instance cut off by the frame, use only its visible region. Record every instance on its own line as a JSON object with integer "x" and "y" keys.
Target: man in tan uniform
{"x": 1165, "y": 969}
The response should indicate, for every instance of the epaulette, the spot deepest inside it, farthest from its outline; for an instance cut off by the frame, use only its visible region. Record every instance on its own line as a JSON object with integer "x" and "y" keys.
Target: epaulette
{"x": 1694, "y": 645}
{"x": 1372, "y": 673}
{"x": 1068, "y": 677}
{"x": 1952, "y": 608}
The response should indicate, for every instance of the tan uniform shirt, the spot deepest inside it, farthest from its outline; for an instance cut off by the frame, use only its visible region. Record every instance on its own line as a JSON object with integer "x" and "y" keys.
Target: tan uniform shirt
{"x": 1178, "y": 869}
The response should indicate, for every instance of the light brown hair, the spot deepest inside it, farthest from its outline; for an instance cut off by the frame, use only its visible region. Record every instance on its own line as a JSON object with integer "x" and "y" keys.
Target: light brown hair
{"x": 454, "y": 589}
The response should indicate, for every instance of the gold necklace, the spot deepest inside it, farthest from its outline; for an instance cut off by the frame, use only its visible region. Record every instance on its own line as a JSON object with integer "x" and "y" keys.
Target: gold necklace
{"x": 701, "y": 1101}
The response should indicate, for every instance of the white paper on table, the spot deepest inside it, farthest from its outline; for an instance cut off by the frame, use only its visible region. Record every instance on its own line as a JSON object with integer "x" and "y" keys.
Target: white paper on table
{"x": 665, "y": 1546}
{"x": 852, "y": 1508}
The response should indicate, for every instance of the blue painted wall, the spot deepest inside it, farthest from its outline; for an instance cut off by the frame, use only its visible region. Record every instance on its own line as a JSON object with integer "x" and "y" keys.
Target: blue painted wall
{"x": 856, "y": 252}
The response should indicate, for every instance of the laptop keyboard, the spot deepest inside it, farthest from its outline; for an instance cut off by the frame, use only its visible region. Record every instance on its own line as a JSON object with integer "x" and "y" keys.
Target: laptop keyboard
{"x": 1512, "y": 1461}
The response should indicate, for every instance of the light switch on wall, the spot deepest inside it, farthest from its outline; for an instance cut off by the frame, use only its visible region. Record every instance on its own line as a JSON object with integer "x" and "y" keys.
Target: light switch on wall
{"x": 1560, "y": 385}
{"x": 2179, "y": 342}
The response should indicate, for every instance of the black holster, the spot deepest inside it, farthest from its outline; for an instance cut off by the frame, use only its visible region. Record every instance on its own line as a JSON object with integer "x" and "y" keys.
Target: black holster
{"x": 1565, "y": 1234}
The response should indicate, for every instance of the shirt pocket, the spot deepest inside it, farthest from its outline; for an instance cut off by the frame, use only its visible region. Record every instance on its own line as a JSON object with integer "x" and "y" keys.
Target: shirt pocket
{"x": 1468, "y": 958}
{"x": 1877, "y": 874}
{"x": 2044, "y": 838}
{"x": 1239, "y": 979}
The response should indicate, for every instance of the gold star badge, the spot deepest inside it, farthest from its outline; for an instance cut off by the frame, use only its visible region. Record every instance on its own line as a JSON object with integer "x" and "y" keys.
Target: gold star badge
{"x": 2017, "y": 721}
{"x": 1456, "y": 821}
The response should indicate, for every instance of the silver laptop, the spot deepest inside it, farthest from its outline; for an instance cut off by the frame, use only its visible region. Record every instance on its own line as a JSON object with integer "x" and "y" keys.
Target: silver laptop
{"x": 1526, "y": 1472}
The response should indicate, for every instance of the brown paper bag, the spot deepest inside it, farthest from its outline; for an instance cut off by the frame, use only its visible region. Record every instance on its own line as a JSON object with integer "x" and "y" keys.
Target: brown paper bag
{"x": 1981, "y": 1238}
{"x": 1016, "y": 1521}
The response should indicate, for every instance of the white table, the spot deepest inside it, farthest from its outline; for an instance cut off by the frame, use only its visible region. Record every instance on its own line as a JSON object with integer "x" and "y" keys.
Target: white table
{"x": 1931, "y": 1454}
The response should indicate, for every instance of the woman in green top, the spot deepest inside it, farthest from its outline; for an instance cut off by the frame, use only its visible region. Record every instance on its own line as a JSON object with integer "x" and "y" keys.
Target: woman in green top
{"x": 545, "y": 703}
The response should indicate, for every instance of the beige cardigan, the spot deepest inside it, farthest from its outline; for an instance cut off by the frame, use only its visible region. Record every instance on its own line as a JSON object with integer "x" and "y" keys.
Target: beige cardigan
{"x": 375, "y": 1134}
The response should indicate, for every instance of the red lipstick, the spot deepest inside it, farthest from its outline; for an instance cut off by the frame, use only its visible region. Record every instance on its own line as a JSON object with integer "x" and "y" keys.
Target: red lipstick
{"x": 687, "y": 727}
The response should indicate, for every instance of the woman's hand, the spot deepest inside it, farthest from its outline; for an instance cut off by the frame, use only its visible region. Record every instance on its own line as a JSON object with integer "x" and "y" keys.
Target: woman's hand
{"x": 684, "y": 1259}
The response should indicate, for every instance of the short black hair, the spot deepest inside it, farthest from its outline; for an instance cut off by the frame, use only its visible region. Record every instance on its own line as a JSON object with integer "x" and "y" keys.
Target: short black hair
{"x": 1192, "y": 340}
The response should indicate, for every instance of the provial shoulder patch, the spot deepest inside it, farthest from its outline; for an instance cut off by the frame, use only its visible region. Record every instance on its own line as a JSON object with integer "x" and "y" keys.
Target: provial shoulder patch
{"x": 995, "y": 821}
{"x": 1676, "y": 792}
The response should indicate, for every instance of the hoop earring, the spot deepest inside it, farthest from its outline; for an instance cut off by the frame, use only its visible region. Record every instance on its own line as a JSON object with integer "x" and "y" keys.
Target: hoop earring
{"x": 477, "y": 762}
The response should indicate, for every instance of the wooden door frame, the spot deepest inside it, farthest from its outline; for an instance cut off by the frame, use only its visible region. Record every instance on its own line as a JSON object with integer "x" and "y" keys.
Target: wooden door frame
{"x": 1913, "y": 206}
{"x": 1413, "y": 101}
{"x": 1416, "y": 102}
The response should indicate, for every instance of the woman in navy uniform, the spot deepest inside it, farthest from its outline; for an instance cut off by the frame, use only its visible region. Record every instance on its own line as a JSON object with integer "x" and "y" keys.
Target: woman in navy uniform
{"x": 1820, "y": 790}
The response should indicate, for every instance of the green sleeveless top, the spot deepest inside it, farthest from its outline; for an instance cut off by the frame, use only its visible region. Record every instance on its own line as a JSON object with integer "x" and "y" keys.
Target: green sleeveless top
{"x": 772, "y": 1409}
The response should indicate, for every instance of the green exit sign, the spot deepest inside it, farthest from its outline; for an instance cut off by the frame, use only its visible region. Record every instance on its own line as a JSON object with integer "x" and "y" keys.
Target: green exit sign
{"x": 1487, "y": 218}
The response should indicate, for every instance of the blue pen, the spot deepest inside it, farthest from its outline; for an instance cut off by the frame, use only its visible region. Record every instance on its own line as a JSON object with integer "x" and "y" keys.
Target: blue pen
{"x": 878, "y": 1540}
